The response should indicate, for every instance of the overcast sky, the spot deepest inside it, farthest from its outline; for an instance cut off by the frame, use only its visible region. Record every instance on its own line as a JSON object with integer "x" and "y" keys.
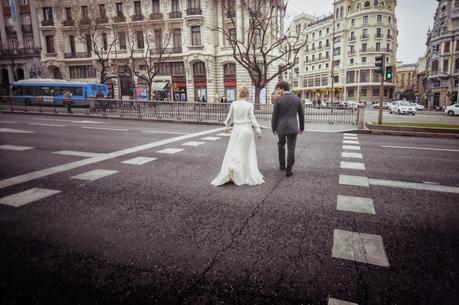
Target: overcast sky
{"x": 414, "y": 18}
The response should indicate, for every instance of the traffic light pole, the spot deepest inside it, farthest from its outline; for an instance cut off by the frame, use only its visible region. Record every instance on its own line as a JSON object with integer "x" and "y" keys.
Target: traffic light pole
{"x": 381, "y": 90}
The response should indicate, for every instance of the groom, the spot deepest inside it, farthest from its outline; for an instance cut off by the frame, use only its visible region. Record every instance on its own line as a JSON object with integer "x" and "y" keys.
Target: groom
{"x": 284, "y": 123}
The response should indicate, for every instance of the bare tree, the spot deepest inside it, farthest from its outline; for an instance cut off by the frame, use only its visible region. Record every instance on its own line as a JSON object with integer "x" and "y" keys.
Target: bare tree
{"x": 99, "y": 37}
{"x": 264, "y": 42}
{"x": 151, "y": 53}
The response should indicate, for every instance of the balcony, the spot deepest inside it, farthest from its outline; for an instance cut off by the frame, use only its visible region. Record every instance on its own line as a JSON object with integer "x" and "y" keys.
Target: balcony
{"x": 10, "y": 29}
{"x": 175, "y": 15}
{"x": 379, "y": 36}
{"x": 231, "y": 14}
{"x": 156, "y": 16}
{"x": 69, "y": 22}
{"x": 351, "y": 52}
{"x": 24, "y": 52}
{"x": 77, "y": 55}
{"x": 194, "y": 11}
{"x": 365, "y": 36}
{"x": 102, "y": 20}
{"x": 137, "y": 17}
{"x": 27, "y": 28}
{"x": 166, "y": 51}
{"x": 85, "y": 21}
{"x": 352, "y": 38}
{"x": 390, "y": 36}
{"x": 119, "y": 18}
{"x": 47, "y": 22}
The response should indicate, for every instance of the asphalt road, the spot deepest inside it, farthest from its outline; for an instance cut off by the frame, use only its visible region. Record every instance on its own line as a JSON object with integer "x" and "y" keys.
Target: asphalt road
{"x": 371, "y": 115}
{"x": 159, "y": 233}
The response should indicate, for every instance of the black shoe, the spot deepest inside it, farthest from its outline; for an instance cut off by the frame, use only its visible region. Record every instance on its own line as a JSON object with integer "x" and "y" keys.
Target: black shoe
{"x": 288, "y": 173}
{"x": 282, "y": 168}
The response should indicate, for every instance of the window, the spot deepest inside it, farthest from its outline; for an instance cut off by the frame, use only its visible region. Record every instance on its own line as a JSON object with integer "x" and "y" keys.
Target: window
{"x": 199, "y": 69}
{"x": 364, "y": 33}
{"x": 84, "y": 12}
{"x": 178, "y": 68}
{"x": 139, "y": 38}
{"x": 232, "y": 34}
{"x": 194, "y": 4}
{"x": 389, "y": 19}
{"x": 352, "y": 35}
{"x": 104, "y": 41}
{"x": 363, "y": 92}
{"x": 102, "y": 12}
{"x": 457, "y": 45}
{"x": 375, "y": 92}
{"x": 350, "y": 77}
{"x": 122, "y": 40}
{"x": 155, "y": 7}
{"x": 137, "y": 8}
{"x": 378, "y": 32}
{"x": 363, "y": 59}
{"x": 72, "y": 44}
{"x": 119, "y": 9}
{"x": 364, "y": 76}
{"x": 328, "y": 30}
{"x": 446, "y": 47}
{"x": 350, "y": 93}
{"x": 388, "y": 34}
{"x": 379, "y": 18}
{"x": 456, "y": 64}
{"x": 365, "y": 19}
{"x": 50, "y": 44}
{"x": 177, "y": 38}
{"x": 378, "y": 46}
{"x": 82, "y": 72}
{"x": 364, "y": 47}
{"x": 175, "y": 6}
{"x": 351, "y": 61}
{"x": 158, "y": 39}
{"x": 68, "y": 13}
{"x": 445, "y": 65}
{"x": 195, "y": 35}
{"x": 48, "y": 14}
{"x": 229, "y": 72}
{"x": 353, "y": 22}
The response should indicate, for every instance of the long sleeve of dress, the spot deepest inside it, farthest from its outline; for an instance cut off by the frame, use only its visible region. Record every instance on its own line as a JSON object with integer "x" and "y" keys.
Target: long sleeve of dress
{"x": 229, "y": 117}
{"x": 254, "y": 120}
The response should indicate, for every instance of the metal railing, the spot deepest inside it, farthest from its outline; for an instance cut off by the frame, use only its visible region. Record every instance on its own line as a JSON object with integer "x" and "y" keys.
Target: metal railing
{"x": 165, "y": 110}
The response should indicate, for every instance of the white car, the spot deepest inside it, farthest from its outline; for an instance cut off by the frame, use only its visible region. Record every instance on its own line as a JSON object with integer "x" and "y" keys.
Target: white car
{"x": 308, "y": 103}
{"x": 417, "y": 106}
{"x": 402, "y": 107}
{"x": 376, "y": 105}
{"x": 452, "y": 110}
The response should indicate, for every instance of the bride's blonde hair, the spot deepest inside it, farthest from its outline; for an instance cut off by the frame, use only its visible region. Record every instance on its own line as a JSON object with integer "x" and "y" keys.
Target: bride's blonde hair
{"x": 244, "y": 93}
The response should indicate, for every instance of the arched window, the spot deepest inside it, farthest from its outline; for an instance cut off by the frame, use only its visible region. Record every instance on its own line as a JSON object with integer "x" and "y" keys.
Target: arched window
{"x": 20, "y": 73}
{"x": 367, "y": 4}
{"x": 376, "y": 2}
{"x": 358, "y": 7}
{"x": 199, "y": 71}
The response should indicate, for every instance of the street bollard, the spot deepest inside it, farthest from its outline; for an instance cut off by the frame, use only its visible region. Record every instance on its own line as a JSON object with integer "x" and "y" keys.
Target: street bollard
{"x": 360, "y": 116}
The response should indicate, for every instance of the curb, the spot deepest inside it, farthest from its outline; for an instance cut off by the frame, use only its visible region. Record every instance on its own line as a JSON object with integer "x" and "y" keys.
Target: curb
{"x": 413, "y": 131}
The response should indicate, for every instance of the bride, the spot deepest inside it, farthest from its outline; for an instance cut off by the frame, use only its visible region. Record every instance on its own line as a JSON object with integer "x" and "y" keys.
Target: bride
{"x": 240, "y": 162}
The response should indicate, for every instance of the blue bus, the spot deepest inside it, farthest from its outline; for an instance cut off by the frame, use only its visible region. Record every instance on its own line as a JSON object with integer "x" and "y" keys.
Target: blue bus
{"x": 51, "y": 91}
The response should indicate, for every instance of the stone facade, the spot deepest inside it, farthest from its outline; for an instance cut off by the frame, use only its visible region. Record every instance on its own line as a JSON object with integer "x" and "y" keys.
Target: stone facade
{"x": 442, "y": 56}
{"x": 19, "y": 43}
{"x": 405, "y": 78}
{"x": 201, "y": 61}
{"x": 349, "y": 40}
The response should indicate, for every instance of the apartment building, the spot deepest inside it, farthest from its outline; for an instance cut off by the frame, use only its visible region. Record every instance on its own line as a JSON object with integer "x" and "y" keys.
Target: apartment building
{"x": 199, "y": 66}
{"x": 442, "y": 56}
{"x": 19, "y": 43}
{"x": 405, "y": 78}
{"x": 344, "y": 45}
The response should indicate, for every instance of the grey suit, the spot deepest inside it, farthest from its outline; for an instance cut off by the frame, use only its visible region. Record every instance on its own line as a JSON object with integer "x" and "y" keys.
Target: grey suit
{"x": 287, "y": 110}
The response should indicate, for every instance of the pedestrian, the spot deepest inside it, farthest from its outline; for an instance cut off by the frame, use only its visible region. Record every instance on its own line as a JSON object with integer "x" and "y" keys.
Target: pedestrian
{"x": 287, "y": 113}
{"x": 68, "y": 100}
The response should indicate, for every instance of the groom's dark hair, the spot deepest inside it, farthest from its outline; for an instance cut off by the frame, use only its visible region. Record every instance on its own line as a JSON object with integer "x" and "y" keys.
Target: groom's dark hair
{"x": 284, "y": 85}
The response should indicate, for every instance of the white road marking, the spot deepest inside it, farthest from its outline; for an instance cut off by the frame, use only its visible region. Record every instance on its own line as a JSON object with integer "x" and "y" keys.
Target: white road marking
{"x": 69, "y": 166}
{"x": 139, "y": 161}
{"x": 87, "y": 122}
{"x": 26, "y": 197}
{"x": 332, "y": 301}
{"x": 170, "y": 151}
{"x": 359, "y": 247}
{"x": 211, "y": 138}
{"x": 351, "y": 147}
{"x": 94, "y": 174}
{"x": 15, "y": 148}
{"x": 224, "y": 134}
{"x": 351, "y": 142}
{"x": 353, "y": 165}
{"x": 354, "y": 180}
{"x": 350, "y": 134}
{"x": 351, "y": 155}
{"x": 9, "y": 130}
{"x": 77, "y": 153}
{"x": 415, "y": 186}
{"x": 105, "y": 128}
{"x": 421, "y": 148}
{"x": 193, "y": 143}
{"x": 350, "y": 138}
{"x": 49, "y": 125}
{"x": 54, "y": 120}
{"x": 164, "y": 132}
{"x": 355, "y": 204}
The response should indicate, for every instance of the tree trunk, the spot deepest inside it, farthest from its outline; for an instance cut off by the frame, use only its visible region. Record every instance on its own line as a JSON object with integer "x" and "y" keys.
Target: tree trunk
{"x": 257, "y": 95}
{"x": 149, "y": 90}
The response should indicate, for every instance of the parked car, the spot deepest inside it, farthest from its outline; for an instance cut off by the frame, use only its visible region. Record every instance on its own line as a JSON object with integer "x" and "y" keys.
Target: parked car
{"x": 308, "y": 103}
{"x": 376, "y": 105}
{"x": 402, "y": 107}
{"x": 452, "y": 110}
{"x": 417, "y": 106}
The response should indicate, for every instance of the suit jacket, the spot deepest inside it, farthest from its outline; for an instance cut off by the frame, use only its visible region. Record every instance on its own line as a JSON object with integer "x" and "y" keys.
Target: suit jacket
{"x": 287, "y": 109}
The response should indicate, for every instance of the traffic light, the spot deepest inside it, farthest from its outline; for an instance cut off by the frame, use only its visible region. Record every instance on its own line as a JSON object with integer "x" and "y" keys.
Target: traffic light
{"x": 379, "y": 63}
{"x": 389, "y": 73}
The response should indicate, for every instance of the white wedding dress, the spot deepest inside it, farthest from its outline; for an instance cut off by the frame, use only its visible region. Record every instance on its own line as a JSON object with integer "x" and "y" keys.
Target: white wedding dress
{"x": 240, "y": 162}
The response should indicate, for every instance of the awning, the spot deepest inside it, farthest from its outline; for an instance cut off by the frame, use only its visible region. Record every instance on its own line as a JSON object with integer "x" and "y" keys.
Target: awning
{"x": 158, "y": 86}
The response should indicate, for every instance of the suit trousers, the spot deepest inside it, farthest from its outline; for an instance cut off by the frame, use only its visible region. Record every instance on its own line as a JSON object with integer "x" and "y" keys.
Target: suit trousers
{"x": 290, "y": 139}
